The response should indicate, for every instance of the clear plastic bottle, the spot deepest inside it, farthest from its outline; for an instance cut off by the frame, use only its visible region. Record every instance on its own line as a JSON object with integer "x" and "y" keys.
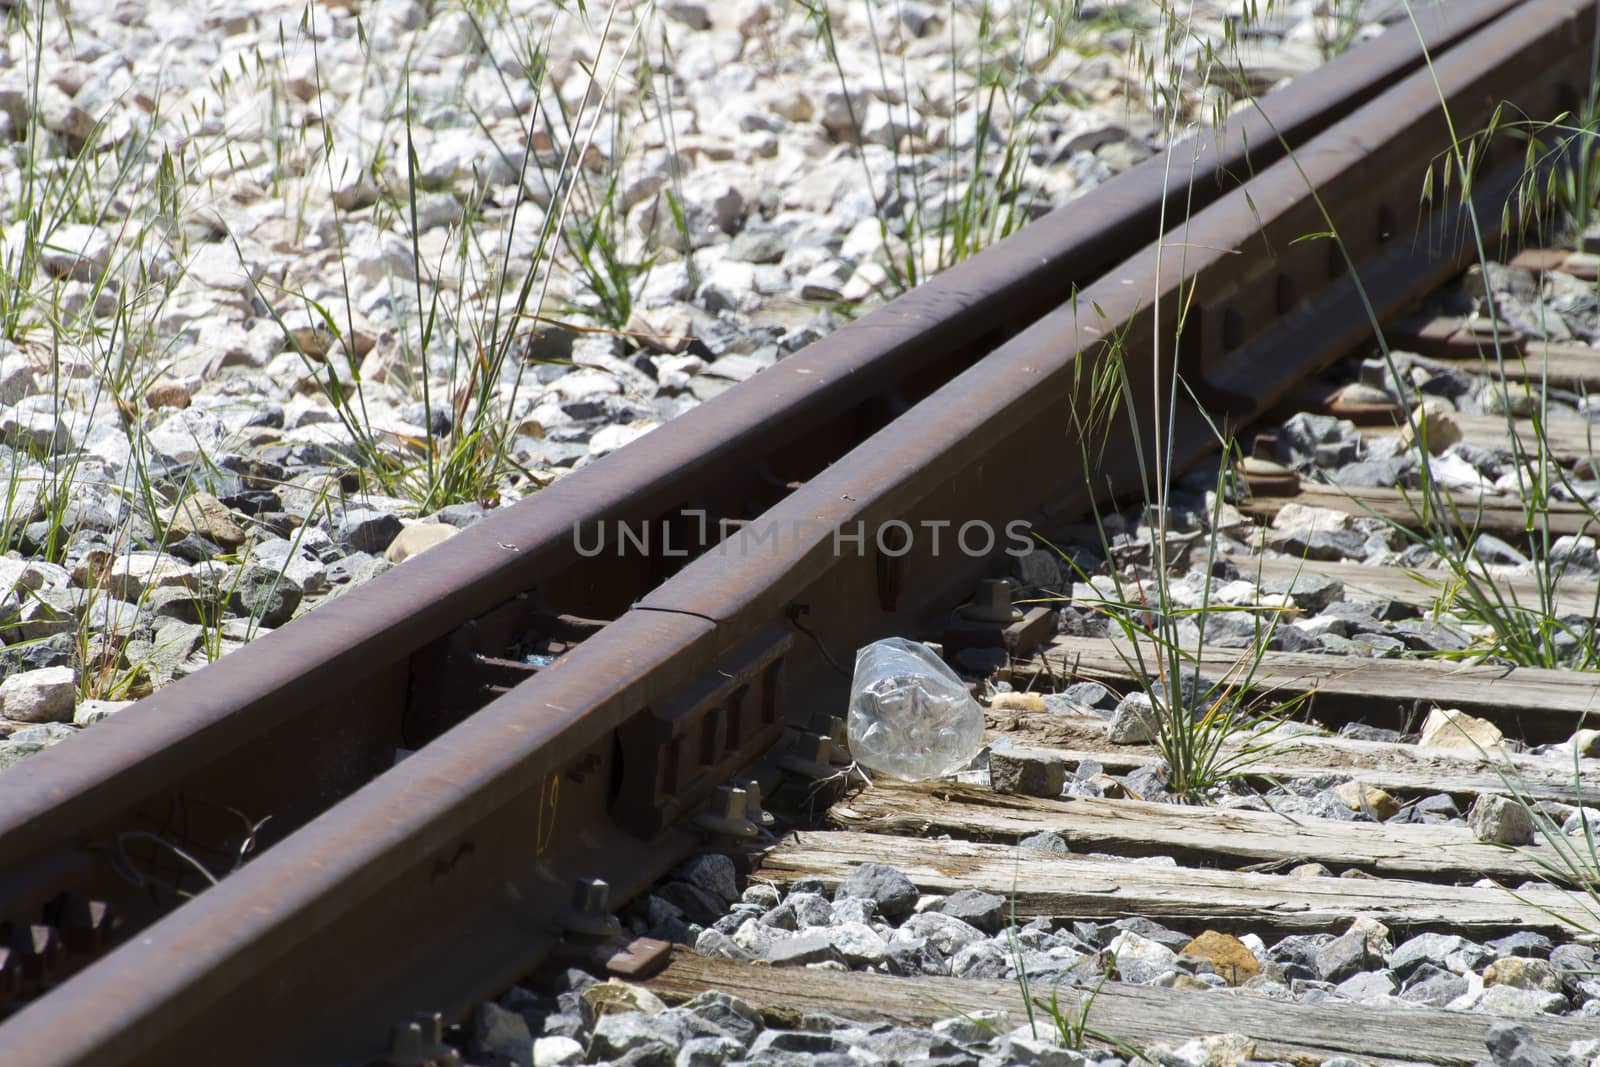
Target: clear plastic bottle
{"x": 910, "y": 714}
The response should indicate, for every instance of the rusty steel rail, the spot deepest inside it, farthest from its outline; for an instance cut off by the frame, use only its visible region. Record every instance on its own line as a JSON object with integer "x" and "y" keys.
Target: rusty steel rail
{"x": 305, "y": 716}
{"x": 452, "y": 873}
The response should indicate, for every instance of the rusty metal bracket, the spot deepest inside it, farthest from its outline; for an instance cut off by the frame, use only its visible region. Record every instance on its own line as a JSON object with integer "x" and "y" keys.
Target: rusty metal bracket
{"x": 990, "y": 621}
{"x": 728, "y": 815}
{"x": 635, "y": 960}
{"x": 676, "y": 754}
{"x": 753, "y": 809}
{"x": 591, "y": 936}
{"x": 590, "y": 915}
{"x": 486, "y": 657}
{"x": 1264, "y": 476}
{"x": 419, "y": 1043}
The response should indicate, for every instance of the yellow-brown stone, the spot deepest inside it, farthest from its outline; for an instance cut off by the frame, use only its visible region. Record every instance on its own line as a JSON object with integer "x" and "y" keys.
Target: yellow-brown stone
{"x": 204, "y": 514}
{"x": 167, "y": 393}
{"x": 1228, "y": 955}
{"x": 1358, "y": 797}
{"x": 1018, "y": 702}
{"x": 1523, "y": 974}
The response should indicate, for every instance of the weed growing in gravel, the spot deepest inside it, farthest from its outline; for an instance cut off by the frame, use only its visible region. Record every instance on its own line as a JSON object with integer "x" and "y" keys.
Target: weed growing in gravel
{"x": 935, "y": 204}
{"x": 1515, "y": 631}
{"x": 1556, "y": 197}
{"x": 1572, "y": 859}
{"x": 1529, "y": 634}
{"x": 1338, "y": 28}
{"x": 595, "y": 240}
{"x": 82, "y": 287}
{"x": 1071, "y": 1022}
{"x": 1207, "y": 730}
{"x": 562, "y": 210}
{"x": 1559, "y": 193}
{"x": 1068, "y": 1024}
{"x": 1537, "y": 631}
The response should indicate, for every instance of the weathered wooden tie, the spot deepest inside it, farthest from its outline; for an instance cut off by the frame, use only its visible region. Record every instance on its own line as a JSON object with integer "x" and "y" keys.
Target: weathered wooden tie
{"x": 1137, "y": 1015}
{"x": 1498, "y": 515}
{"x": 1531, "y": 703}
{"x": 1075, "y": 887}
{"x": 1194, "y": 836}
{"x": 1421, "y": 588}
{"x": 1401, "y": 769}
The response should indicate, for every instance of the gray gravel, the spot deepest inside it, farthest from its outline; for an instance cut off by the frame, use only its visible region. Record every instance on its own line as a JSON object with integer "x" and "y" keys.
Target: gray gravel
{"x": 152, "y": 401}
{"x": 964, "y": 935}
{"x": 806, "y": 926}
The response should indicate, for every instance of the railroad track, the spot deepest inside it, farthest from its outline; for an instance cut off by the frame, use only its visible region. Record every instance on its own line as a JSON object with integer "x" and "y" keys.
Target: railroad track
{"x": 434, "y": 774}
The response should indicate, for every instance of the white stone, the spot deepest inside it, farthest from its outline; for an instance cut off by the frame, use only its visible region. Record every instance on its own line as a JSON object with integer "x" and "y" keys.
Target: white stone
{"x": 20, "y": 574}
{"x": 827, "y": 280}
{"x": 131, "y": 575}
{"x": 1435, "y": 420}
{"x": 59, "y": 113}
{"x": 16, "y": 377}
{"x": 77, "y": 251}
{"x": 611, "y": 438}
{"x": 1501, "y": 820}
{"x": 453, "y": 154}
{"x": 1130, "y": 945}
{"x": 858, "y": 943}
{"x": 90, "y": 712}
{"x": 1581, "y": 821}
{"x": 416, "y": 538}
{"x": 218, "y": 265}
{"x": 556, "y": 1051}
{"x": 1577, "y": 553}
{"x": 1238, "y": 591}
{"x": 1134, "y": 722}
{"x": 1305, "y": 517}
{"x": 37, "y": 431}
{"x": 1452, "y": 728}
{"x": 585, "y": 384}
{"x": 1506, "y": 1000}
{"x": 381, "y": 258}
{"x": 1318, "y": 625}
{"x": 185, "y": 436}
{"x": 870, "y": 280}
{"x": 44, "y": 695}
{"x": 298, "y": 566}
{"x": 754, "y": 937}
{"x": 1457, "y": 475}
{"x": 1214, "y": 1050}
{"x": 1036, "y": 1052}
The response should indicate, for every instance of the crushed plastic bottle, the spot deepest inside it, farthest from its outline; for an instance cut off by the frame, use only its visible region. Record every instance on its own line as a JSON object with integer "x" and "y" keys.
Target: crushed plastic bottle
{"x": 910, "y": 715}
